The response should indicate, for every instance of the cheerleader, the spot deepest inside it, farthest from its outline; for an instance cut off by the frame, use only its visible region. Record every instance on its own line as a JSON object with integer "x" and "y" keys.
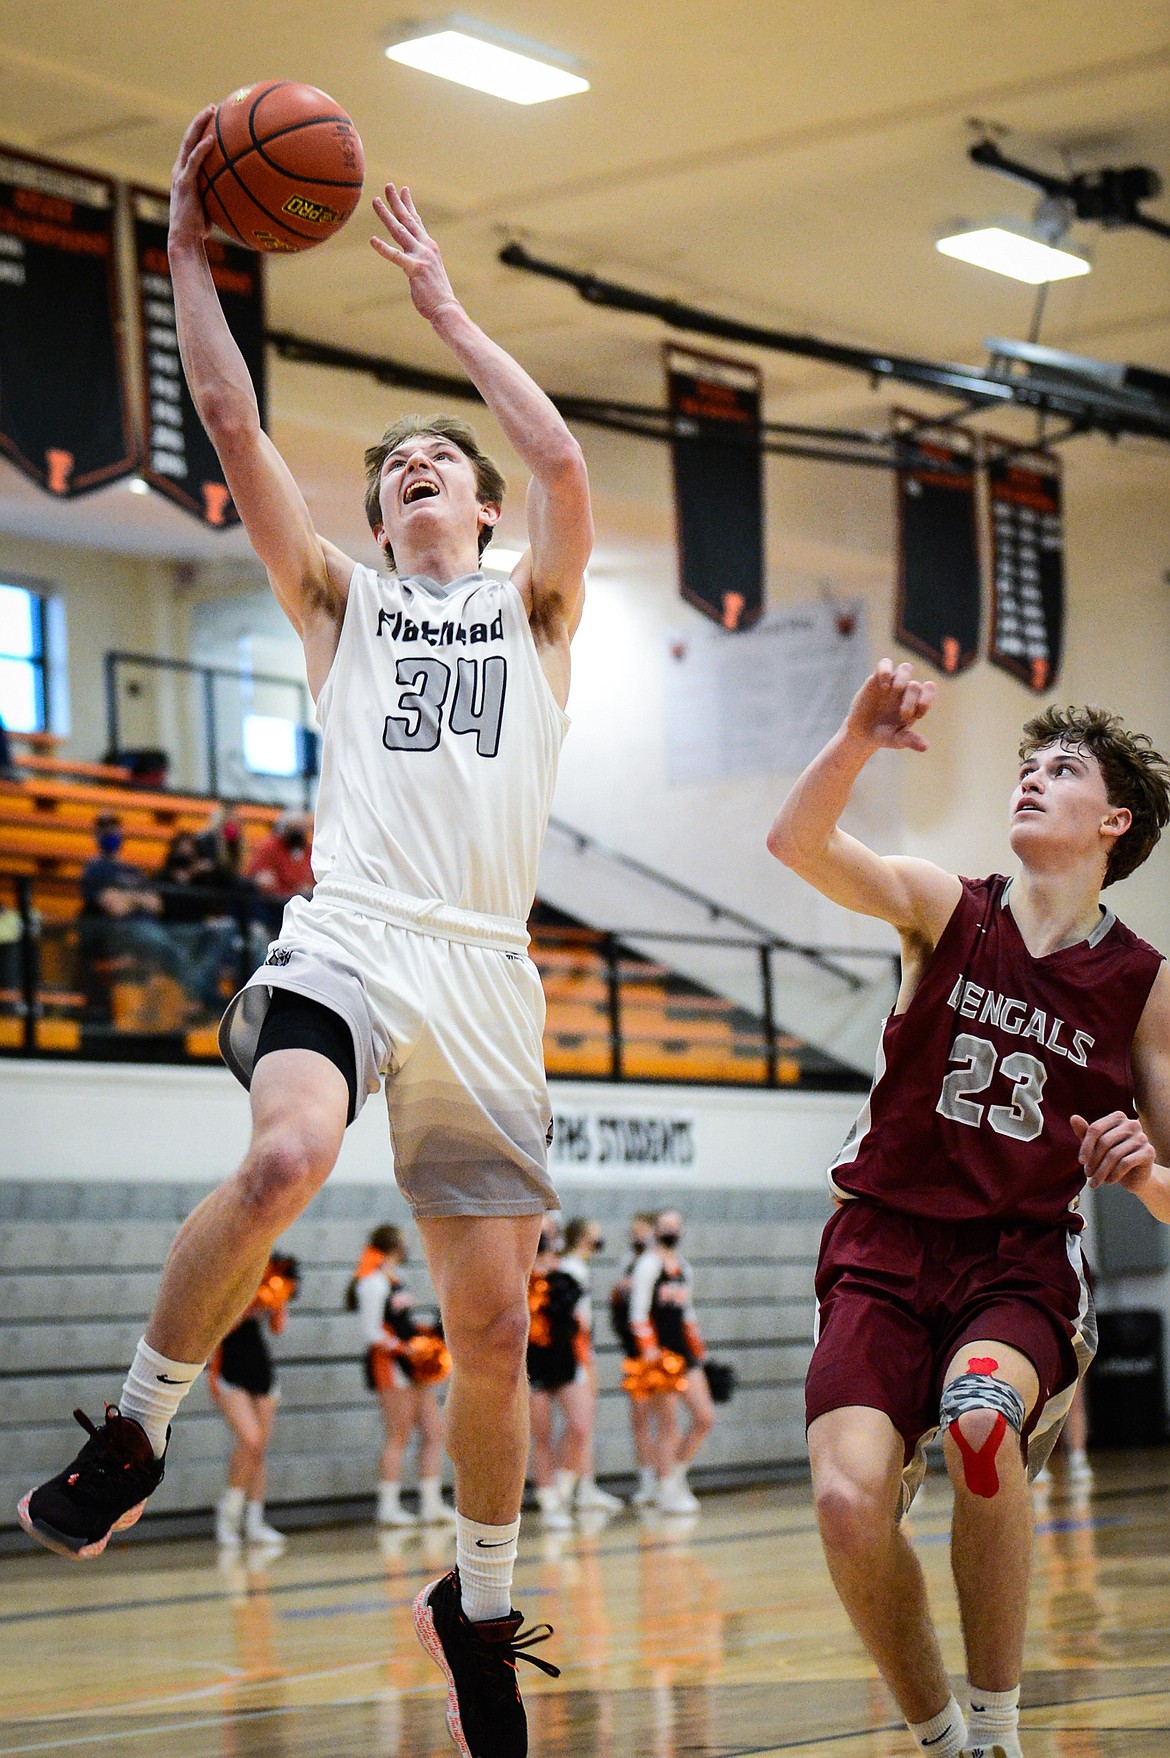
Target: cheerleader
{"x": 242, "y": 1382}
{"x": 559, "y": 1358}
{"x": 583, "y": 1240}
{"x": 671, "y": 1349}
{"x": 406, "y": 1359}
{"x": 642, "y": 1419}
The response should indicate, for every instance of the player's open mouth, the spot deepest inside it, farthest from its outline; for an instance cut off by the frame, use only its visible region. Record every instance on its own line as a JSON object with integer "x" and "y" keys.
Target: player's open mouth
{"x": 1028, "y": 806}
{"x": 419, "y": 489}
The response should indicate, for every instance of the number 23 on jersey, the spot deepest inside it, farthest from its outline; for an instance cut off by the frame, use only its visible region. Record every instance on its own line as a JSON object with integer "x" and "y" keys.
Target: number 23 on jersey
{"x": 1023, "y": 1119}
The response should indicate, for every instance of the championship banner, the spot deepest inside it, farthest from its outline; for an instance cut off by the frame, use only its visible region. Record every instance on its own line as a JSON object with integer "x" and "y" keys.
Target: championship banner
{"x": 1027, "y": 566}
{"x": 64, "y": 416}
{"x": 180, "y": 459}
{"x": 718, "y": 484}
{"x": 938, "y": 608}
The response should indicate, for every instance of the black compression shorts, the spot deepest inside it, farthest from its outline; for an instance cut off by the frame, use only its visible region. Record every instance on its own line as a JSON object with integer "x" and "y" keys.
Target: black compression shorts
{"x": 294, "y": 1022}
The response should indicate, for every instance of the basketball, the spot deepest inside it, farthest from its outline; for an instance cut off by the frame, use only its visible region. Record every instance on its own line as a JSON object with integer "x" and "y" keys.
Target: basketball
{"x": 286, "y": 169}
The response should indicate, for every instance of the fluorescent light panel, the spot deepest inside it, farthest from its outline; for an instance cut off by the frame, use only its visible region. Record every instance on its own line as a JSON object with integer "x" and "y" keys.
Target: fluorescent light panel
{"x": 1008, "y": 252}
{"x": 458, "y": 53}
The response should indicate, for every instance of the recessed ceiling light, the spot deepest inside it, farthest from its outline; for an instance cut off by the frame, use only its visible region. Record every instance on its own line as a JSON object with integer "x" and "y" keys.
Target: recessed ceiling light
{"x": 489, "y": 61}
{"x": 138, "y": 485}
{"x": 1008, "y": 250}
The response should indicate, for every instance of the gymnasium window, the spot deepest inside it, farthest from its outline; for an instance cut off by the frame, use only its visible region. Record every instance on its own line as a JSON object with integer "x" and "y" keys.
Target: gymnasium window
{"x": 271, "y": 745}
{"x": 22, "y": 659}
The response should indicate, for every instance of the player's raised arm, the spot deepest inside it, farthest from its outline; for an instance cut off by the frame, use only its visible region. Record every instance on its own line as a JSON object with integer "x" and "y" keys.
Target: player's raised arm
{"x": 560, "y": 524}
{"x": 1135, "y": 1151}
{"x": 916, "y": 896}
{"x": 309, "y": 577}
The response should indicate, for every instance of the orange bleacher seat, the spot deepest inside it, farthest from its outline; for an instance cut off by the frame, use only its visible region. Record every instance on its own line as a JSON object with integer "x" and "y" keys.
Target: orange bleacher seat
{"x": 47, "y": 827}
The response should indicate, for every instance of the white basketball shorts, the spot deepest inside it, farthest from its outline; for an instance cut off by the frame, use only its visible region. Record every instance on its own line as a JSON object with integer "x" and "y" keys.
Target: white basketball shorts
{"x": 447, "y": 1006}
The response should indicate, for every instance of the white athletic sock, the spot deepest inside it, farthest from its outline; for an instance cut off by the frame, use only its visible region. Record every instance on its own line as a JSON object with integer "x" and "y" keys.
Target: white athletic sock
{"x": 486, "y": 1557}
{"x": 944, "y": 1735}
{"x": 253, "y": 1519}
{"x": 995, "y": 1720}
{"x": 387, "y": 1494}
{"x": 547, "y": 1496}
{"x": 430, "y": 1493}
{"x": 566, "y": 1484}
{"x": 154, "y": 1389}
{"x": 232, "y": 1504}
{"x": 647, "y": 1479}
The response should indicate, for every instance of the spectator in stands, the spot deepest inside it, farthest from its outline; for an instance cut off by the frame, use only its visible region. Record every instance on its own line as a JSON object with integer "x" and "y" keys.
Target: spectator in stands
{"x": 221, "y": 844}
{"x": 243, "y": 1385}
{"x": 221, "y": 847}
{"x": 193, "y": 906}
{"x": 120, "y": 923}
{"x": 642, "y": 1414}
{"x": 583, "y": 1240}
{"x": 281, "y": 865}
{"x": 671, "y": 1348}
{"x": 7, "y": 767}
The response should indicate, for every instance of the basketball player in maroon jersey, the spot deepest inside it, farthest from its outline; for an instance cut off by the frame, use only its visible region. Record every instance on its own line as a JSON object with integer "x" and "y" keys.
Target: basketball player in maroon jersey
{"x": 1030, "y": 1035}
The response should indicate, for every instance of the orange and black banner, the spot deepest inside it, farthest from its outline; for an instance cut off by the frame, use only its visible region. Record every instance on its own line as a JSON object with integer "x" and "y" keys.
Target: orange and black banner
{"x": 718, "y": 484}
{"x": 180, "y": 459}
{"x": 938, "y": 609}
{"x": 1027, "y": 566}
{"x": 64, "y": 413}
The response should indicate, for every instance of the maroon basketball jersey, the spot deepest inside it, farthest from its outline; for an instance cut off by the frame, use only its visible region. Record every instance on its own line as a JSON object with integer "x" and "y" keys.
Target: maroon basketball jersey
{"x": 968, "y": 1117}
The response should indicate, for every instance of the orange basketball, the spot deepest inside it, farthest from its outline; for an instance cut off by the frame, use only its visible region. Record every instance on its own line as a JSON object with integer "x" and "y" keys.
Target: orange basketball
{"x": 286, "y": 168}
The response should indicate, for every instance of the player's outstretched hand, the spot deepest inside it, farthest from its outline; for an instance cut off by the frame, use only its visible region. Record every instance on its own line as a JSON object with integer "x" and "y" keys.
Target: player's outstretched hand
{"x": 189, "y": 222}
{"x": 889, "y": 702}
{"x": 1114, "y": 1150}
{"x": 414, "y": 251}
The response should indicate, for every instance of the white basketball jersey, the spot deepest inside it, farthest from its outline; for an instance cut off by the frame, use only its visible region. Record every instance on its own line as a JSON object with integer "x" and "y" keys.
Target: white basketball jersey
{"x": 440, "y": 747}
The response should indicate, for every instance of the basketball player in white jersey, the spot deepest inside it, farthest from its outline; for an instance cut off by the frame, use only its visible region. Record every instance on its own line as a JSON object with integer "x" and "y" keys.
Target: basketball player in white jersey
{"x": 441, "y": 696}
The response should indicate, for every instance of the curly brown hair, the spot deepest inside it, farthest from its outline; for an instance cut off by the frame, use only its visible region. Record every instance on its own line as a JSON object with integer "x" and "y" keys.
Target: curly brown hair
{"x": 489, "y": 478}
{"x": 1135, "y": 775}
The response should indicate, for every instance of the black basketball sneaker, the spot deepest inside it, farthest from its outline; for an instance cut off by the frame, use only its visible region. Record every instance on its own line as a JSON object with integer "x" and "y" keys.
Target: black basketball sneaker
{"x": 484, "y": 1713}
{"x": 104, "y": 1490}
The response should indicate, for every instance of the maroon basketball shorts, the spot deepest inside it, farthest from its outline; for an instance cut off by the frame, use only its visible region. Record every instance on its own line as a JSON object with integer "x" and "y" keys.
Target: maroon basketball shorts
{"x": 899, "y": 1295}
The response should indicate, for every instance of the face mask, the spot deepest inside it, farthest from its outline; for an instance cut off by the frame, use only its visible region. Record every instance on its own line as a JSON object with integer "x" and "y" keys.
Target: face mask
{"x": 669, "y": 1239}
{"x": 110, "y": 841}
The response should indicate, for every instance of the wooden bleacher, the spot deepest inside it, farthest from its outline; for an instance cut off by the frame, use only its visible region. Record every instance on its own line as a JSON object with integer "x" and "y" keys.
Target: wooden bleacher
{"x": 671, "y": 1029}
{"x": 47, "y": 834}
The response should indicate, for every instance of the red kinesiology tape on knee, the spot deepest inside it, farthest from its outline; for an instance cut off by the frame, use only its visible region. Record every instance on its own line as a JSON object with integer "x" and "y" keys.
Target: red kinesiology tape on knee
{"x": 979, "y": 1462}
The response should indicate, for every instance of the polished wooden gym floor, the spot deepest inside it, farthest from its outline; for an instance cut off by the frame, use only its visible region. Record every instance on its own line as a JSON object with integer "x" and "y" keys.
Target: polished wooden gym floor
{"x": 716, "y": 1637}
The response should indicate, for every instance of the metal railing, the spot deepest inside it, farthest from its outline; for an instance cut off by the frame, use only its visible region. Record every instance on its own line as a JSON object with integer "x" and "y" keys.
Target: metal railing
{"x": 825, "y": 958}
{"x": 207, "y": 734}
{"x": 152, "y": 988}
